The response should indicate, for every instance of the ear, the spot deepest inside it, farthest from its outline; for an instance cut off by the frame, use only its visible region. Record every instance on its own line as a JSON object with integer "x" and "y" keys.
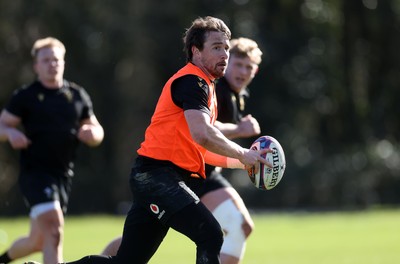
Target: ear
{"x": 257, "y": 69}
{"x": 195, "y": 50}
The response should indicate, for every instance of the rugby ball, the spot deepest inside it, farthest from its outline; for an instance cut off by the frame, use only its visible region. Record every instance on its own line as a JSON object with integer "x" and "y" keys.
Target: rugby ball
{"x": 267, "y": 178}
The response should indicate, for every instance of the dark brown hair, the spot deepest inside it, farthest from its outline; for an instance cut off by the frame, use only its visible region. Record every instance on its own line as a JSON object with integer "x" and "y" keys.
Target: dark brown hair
{"x": 196, "y": 34}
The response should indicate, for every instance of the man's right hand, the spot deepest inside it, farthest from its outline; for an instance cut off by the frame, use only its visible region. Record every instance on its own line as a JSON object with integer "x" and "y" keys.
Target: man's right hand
{"x": 17, "y": 139}
{"x": 253, "y": 158}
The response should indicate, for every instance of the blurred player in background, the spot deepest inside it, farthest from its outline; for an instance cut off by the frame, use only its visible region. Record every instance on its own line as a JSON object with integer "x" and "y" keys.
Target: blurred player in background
{"x": 217, "y": 193}
{"x": 55, "y": 115}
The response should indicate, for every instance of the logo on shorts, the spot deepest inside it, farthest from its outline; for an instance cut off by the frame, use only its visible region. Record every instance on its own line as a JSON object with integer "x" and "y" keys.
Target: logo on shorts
{"x": 154, "y": 208}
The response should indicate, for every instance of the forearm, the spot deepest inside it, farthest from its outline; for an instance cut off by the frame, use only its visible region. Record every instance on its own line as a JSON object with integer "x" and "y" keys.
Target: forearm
{"x": 246, "y": 127}
{"x": 16, "y": 138}
{"x": 8, "y": 125}
{"x": 209, "y": 137}
{"x": 3, "y": 133}
{"x": 222, "y": 161}
{"x": 229, "y": 130}
{"x": 217, "y": 143}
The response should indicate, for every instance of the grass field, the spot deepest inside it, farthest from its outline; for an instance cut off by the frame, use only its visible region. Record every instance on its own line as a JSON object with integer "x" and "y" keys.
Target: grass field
{"x": 368, "y": 237}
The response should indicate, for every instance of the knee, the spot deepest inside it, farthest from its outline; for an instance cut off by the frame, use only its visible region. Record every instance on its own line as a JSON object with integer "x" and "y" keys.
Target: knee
{"x": 247, "y": 227}
{"x": 236, "y": 226}
{"x": 236, "y": 229}
{"x": 53, "y": 230}
{"x": 214, "y": 236}
{"x": 232, "y": 219}
{"x": 56, "y": 233}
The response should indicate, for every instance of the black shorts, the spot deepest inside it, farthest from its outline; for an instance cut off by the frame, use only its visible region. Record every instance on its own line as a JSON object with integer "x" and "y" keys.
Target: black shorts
{"x": 163, "y": 191}
{"x": 214, "y": 181}
{"x": 42, "y": 187}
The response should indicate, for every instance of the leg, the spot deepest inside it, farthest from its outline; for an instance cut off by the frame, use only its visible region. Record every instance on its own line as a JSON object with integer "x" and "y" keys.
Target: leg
{"x": 45, "y": 235}
{"x": 26, "y": 245}
{"x": 112, "y": 248}
{"x": 234, "y": 218}
{"x": 47, "y": 216}
{"x": 93, "y": 259}
{"x": 142, "y": 235}
{"x": 196, "y": 222}
{"x": 166, "y": 201}
{"x": 52, "y": 226}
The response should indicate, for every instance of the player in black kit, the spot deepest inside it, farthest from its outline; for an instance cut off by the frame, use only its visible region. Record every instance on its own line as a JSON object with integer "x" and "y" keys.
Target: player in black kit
{"x": 233, "y": 121}
{"x": 56, "y": 115}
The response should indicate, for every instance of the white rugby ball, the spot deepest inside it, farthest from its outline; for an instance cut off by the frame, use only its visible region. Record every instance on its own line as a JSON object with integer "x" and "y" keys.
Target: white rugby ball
{"x": 267, "y": 178}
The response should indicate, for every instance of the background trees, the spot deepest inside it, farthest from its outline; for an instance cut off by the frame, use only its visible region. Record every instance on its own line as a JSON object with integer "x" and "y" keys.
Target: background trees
{"x": 328, "y": 90}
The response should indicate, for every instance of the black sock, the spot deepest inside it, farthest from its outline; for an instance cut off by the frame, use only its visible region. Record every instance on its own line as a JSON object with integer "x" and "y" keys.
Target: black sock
{"x": 4, "y": 259}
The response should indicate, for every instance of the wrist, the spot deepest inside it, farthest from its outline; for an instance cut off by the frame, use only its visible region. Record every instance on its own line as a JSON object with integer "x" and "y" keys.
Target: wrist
{"x": 234, "y": 163}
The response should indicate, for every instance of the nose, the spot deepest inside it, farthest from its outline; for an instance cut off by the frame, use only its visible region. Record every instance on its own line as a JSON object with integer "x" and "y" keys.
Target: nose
{"x": 225, "y": 54}
{"x": 243, "y": 70}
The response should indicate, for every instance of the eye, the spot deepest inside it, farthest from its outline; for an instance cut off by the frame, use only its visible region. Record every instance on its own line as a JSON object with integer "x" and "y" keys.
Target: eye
{"x": 239, "y": 65}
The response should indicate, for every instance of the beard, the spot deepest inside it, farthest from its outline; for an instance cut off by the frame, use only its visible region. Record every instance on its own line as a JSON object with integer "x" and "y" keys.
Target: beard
{"x": 218, "y": 71}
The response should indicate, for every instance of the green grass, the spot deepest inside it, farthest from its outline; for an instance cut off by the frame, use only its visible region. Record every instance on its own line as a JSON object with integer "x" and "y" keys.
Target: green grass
{"x": 369, "y": 237}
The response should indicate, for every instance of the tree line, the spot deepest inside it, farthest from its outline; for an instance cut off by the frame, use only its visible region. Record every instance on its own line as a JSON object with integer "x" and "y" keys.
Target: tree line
{"x": 327, "y": 89}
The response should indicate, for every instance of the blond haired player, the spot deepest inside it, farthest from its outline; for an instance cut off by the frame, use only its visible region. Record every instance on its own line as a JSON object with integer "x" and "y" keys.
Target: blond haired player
{"x": 56, "y": 115}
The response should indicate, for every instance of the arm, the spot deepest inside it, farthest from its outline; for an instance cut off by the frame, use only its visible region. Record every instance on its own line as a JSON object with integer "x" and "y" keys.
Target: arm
{"x": 214, "y": 141}
{"x": 247, "y": 127}
{"x": 91, "y": 132}
{"x": 216, "y": 160}
{"x": 8, "y": 130}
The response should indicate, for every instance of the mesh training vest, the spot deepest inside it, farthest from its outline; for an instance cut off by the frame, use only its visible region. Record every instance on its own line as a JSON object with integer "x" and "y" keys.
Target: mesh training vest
{"x": 168, "y": 136}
